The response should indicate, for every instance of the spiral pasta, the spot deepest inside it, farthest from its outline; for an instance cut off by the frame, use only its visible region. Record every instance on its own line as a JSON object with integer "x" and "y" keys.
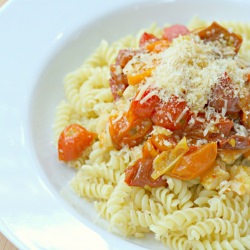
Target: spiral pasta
{"x": 183, "y": 215}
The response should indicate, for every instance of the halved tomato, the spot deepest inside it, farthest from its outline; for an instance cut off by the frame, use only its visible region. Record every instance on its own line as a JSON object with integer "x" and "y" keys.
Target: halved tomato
{"x": 73, "y": 140}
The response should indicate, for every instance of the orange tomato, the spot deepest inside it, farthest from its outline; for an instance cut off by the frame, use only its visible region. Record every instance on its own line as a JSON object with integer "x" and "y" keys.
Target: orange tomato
{"x": 158, "y": 46}
{"x": 73, "y": 140}
{"x": 163, "y": 142}
{"x": 136, "y": 79}
{"x": 217, "y": 32}
{"x": 196, "y": 163}
{"x": 148, "y": 150}
{"x": 128, "y": 130}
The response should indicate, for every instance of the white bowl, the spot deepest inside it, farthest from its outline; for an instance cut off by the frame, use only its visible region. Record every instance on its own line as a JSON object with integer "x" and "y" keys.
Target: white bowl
{"x": 41, "y": 41}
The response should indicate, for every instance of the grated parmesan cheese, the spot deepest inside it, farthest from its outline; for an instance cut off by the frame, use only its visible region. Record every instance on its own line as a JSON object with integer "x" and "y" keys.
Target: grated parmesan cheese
{"x": 189, "y": 69}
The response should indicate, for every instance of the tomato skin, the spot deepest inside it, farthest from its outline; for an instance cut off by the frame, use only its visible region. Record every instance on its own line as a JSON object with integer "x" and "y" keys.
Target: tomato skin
{"x": 174, "y": 31}
{"x": 215, "y": 32}
{"x": 224, "y": 126}
{"x": 224, "y": 92}
{"x": 158, "y": 142}
{"x": 73, "y": 140}
{"x": 147, "y": 38}
{"x": 167, "y": 115}
{"x": 118, "y": 80}
{"x": 158, "y": 46}
{"x": 235, "y": 142}
{"x": 128, "y": 130}
{"x": 140, "y": 174}
{"x": 146, "y": 109}
{"x": 124, "y": 56}
{"x": 196, "y": 163}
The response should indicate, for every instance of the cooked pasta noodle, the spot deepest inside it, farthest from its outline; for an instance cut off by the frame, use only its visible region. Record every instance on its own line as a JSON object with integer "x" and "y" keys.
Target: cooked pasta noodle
{"x": 183, "y": 215}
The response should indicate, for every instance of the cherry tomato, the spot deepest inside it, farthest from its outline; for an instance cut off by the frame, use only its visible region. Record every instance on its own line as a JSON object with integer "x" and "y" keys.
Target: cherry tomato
{"x": 118, "y": 81}
{"x": 124, "y": 56}
{"x": 245, "y": 119}
{"x": 128, "y": 130}
{"x": 145, "y": 109}
{"x": 156, "y": 144}
{"x": 163, "y": 142}
{"x": 158, "y": 46}
{"x": 149, "y": 150}
{"x": 235, "y": 142}
{"x": 173, "y": 115}
{"x": 140, "y": 77}
{"x": 196, "y": 130}
{"x": 140, "y": 174}
{"x": 73, "y": 140}
{"x": 224, "y": 126}
{"x": 245, "y": 105}
{"x": 223, "y": 95}
{"x": 147, "y": 38}
{"x": 196, "y": 163}
{"x": 216, "y": 32}
{"x": 174, "y": 31}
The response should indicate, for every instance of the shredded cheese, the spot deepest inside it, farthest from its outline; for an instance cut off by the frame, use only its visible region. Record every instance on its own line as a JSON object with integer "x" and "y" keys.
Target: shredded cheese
{"x": 189, "y": 69}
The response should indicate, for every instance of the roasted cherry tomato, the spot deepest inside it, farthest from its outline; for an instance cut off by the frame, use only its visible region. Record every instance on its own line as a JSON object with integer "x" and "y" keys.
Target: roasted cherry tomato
{"x": 128, "y": 130}
{"x": 144, "y": 109}
{"x": 158, "y": 46}
{"x": 196, "y": 163}
{"x": 73, "y": 140}
{"x": 118, "y": 81}
{"x": 173, "y": 115}
{"x": 147, "y": 38}
{"x": 196, "y": 130}
{"x": 149, "y": 150}
{"x": 174, "y": 31}
{"x": 216, "y": 32}
{"x": 224, "y": 126}
{"x": 163, "y": 142}
{"x": 223, "y": 96}
{"x": 124, "y": 56}
{"x": 235, "y": 142}
{"x": 140, "y": 174}
{"x": 245, "y": 118}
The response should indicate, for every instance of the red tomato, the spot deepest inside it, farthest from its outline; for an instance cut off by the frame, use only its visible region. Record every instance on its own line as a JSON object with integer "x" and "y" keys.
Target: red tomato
{"x": 128, "y": 130}
{"x": 140, "y": 174}
{"x": 224, "y": 126}
{"x": 245, "y": 119}
{"x": 196, "y": 162}
{"x": 172, "y": 115}
{"x": 73, "y": 140}
{"x": 245, "y": 105}
{"x": 145, "y": 109}
{"x": 223, "y": 95}
{"x": 174, "y": 31}
{"x": 147, "y": 38}
{"x": 235, "y": 142}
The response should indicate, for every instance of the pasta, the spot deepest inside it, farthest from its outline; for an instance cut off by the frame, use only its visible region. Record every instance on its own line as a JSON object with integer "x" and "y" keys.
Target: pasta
{"x": 185, "y": 214}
